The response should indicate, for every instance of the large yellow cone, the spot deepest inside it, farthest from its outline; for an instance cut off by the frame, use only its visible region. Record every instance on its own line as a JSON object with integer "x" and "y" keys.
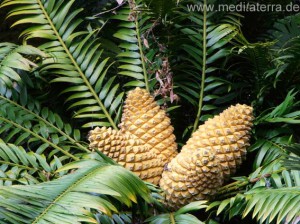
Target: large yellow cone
{"x": 209, "y": 157}
{"x": 129, "y": 152}
{"x": 144, "y": 119}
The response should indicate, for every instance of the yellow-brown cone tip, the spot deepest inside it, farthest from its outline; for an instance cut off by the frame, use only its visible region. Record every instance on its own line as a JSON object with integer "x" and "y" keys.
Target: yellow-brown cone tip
{"x": 227, "y": 135}
{"x": 145, "y": 120}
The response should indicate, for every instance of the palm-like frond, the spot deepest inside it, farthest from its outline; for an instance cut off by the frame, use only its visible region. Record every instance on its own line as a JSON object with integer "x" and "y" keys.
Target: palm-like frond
{"x": 274, "y": 175}
{"x": 283, "y": 112}
{"x": 38, "y": 128}
{"x": 285, "y": 51}
{"x": 270, "y": 144}
{"x": 274, "y": 63}
{"x": 124, "y": 218}
{"x": 20, "y": 167}
{"x": 282, "y": 204}
{"x": 266, "y": 205}
{"x": 132, "y": 59}
{"x": 270, "y": 177}
{"x": 76, "y": 58}
{"x": 13, "y": 58}
{"x": 203, "y": 46}
{"x": 70, "y": 198}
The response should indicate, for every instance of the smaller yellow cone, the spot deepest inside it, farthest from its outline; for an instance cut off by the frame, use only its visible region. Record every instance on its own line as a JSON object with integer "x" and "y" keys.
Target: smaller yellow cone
{"x": 129, "y": 152}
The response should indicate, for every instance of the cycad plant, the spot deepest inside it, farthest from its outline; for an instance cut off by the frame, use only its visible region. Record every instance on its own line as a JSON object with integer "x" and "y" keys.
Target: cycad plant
{"x": 70, "y": 74}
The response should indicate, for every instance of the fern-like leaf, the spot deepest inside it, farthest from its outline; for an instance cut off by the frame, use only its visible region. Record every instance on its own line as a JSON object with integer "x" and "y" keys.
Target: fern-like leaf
{"x": 271, "y": 144}
{"x": 76, "y": 58}
{"x": 267, "y": 178}
{"x": 14, "y": 58}
{"x": 39, "y": 128}
{"x": 20, "y": 167}
{"x": 204, "y": 43}
{"x": 132, "y": 59}
{"x": 70, "y": 198}
{"x": 285, "y": 52}
{"x": 161, "y": 8}
{"x": 282, "y": 204}
{"x": 266, "y": 205}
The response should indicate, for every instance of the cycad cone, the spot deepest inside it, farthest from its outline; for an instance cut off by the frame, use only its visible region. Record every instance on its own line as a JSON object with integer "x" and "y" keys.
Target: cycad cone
{"x": 210, "y": 156}
{"x": 129, "y": 152}
{"x": 145, "y": 120}
{"x": 145, "y": 142}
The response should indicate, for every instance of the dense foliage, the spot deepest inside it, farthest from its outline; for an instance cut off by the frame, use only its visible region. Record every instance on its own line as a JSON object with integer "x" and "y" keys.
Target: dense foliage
{"x": 66, "y": 68}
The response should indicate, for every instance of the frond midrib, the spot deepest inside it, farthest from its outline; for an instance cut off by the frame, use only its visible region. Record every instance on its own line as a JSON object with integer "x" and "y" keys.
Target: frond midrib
{"x": 39, "y": 137}
{"x": 80, "y": 179}
{"x": 17, "y": 165}
{"x": 48, "y": 123}
{"x": 203, "y": 74}
{"x": 141, "y": 53}
{"x": 77, "y": 67}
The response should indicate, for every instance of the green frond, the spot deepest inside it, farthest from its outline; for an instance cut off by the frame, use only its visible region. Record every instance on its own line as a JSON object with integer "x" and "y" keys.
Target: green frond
{"x": 70, "y": 198}
{"x": 285, "y": 52}
{"x": 39, "y": 128}
{"x": 271, "y": 175}
{"x": 286, "y": 32}
{"x": 267, "y": 178}
{"x": 202, "y": 43}
{"x": 20, "y": 167}
{"x": 232, "y": 206}
{"x": 274, "y": 175}
{"x": 274, "y": 62}
{"x": 266, "y": 205}
{"x": 271, "y": 143}
{"x": 270, "y": 146}
{"x": 12, "y": 59}
{"x": 282, "y": 205}
{"x": 76, "y": 58}
{"x": 283, "y": 113}
{"x": 132, "y": 59}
